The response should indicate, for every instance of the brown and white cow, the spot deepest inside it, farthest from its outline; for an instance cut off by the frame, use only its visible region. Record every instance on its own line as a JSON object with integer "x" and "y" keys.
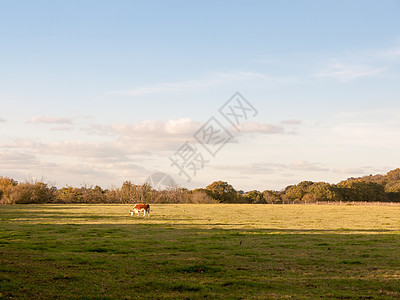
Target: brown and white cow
{"x": 137, "y": 208}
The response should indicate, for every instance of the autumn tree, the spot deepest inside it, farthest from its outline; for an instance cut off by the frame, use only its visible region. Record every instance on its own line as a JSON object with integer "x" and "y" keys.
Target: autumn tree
{"x": 6, "y": 187}
{"x": 129, "y": 192}
{"x": 33, "y": 193}
{"x": 393, "y": 175}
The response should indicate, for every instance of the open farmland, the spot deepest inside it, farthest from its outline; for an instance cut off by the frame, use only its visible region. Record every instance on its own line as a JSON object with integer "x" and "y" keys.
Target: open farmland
{"x": 200, "y": 251}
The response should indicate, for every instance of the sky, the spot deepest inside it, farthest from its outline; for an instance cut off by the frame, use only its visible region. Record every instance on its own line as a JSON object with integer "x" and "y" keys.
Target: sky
{"x": 100, "y": 92}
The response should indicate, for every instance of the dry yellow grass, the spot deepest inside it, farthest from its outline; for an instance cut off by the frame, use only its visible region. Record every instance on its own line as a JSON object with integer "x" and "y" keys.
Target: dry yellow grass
{"x": 314, "y": 218}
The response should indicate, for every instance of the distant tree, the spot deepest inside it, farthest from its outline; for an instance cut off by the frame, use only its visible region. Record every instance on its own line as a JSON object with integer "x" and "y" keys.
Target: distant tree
{"x": 199, "y": 196}
{"x": 393, "y": 175}
{"x": 253, "y": 197}
{"x": 322, "y": 191}
{"x": 146, "y": 193}
{"x": 392, "y": 182}
{"x": 95, "y": 195}
{"x": 7, "y": 186}
{"x": 222, "y": 191}
{"x": 272, "y": 197}
{"x": 294, "y": 192}
{"x": 297, "y": 192}
{"x": 393, "y": 187}
{"x": 309, "y": 198}
{"x": 308, "y": 191}
{"x": 33, "y": 193}
{"x": 113, "y": 196}
{"x": 69, "y": 194}
{"x": 129, "y": 192}
{"x": 361, "y": 190}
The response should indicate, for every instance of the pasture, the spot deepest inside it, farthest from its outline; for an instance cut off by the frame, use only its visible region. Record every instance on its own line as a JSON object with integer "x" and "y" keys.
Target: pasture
{"x": 223, "y": 251}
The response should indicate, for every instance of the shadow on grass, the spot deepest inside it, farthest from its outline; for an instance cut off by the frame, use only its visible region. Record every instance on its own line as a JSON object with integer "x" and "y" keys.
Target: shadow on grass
{"x": 155, "y": 261}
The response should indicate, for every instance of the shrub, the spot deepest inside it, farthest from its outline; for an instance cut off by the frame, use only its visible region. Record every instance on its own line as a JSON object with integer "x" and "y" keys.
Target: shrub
{"x": 198, "y": 197}
{"x": 33, "y": 193}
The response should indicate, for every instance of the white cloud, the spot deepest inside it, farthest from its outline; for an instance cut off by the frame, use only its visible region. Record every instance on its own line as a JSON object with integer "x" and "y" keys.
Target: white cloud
{"x": 154, "y": 135}
{"x": 178, "y": 127}
{"x": 341, "y": 72}
{"x": 2, "y": 120}
{"x": 49, "y": 120}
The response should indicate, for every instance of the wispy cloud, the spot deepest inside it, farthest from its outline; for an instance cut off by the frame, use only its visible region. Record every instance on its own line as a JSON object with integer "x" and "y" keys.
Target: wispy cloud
{"x": 269, "y": 167}
{"x": 392, "y": 53}
{"x": 49, "y": 120}
{"x": 260, "y": 127}
{"x": 291, "y": 122}
{"x": 352, "y": 171}
{"x": 16, "y": 158}
{"x": 343, "y": 73}
{"x": 62, "y": 128}
{"x": 303, "y": 165}
{"x": 190, "y": 85}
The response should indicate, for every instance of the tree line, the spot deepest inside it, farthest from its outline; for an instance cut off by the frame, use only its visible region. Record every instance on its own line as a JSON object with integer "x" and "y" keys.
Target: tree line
{"x": 372, "y": 188}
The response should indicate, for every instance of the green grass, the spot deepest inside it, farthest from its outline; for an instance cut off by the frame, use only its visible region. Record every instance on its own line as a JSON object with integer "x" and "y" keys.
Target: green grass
{"x": 200, "y": 251}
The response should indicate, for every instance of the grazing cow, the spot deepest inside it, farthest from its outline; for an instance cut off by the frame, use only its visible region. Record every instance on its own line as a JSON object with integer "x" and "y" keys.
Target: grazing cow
{"x": 137, "y": 208}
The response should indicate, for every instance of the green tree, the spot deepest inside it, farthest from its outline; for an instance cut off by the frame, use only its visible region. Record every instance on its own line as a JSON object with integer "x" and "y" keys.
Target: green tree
{"x": 222, "y": 191}
{"x": 70, "y": 194}
{"x": 254, "y": 197}
{"x": 361, "y": 190}
{"x": 322, "y": 191}
{"x": 297, "y": 192}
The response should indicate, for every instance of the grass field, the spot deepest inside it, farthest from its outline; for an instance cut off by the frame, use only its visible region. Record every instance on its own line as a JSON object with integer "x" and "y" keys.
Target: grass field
{"x": 200, "y": 251}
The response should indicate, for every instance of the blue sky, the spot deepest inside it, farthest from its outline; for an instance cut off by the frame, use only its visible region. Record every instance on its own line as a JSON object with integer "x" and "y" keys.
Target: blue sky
{"x": 98, "y": 92}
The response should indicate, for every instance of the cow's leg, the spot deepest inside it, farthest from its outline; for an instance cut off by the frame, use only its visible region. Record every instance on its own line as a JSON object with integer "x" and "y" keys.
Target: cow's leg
{"x": 144, "y": 212}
